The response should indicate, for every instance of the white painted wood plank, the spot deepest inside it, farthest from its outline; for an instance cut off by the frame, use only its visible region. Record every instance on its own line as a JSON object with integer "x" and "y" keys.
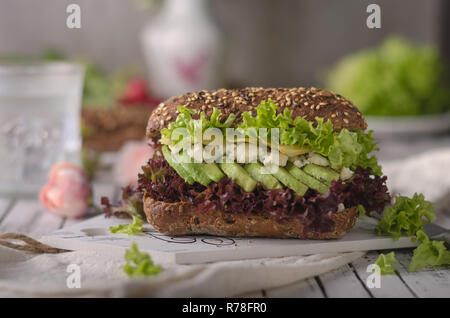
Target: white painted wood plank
{"x": 307, "y": 288}
{"x": 390, "y": 285}
{"x": 342, "y": 282}
{"x": 28, "y": 217}
{"x": 424, "y": 283}
{"x": 254, "y": 294}
{"x": 4, "y": 204}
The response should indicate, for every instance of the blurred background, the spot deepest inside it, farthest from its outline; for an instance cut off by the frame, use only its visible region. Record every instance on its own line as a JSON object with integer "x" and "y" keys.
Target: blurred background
{"x": 268, "y": 43}
{"x": 137, "y": 53}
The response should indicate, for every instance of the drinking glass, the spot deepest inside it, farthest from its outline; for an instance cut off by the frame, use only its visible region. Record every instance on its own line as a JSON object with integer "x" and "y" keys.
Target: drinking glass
{"x": 40, "y": 105}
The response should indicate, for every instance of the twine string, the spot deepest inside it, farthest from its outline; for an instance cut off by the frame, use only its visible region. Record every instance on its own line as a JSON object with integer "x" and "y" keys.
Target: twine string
{"x": 29, "y": 244}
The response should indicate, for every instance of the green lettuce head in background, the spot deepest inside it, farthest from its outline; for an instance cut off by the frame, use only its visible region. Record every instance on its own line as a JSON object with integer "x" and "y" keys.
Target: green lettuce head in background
{"x": 395, "y": 79}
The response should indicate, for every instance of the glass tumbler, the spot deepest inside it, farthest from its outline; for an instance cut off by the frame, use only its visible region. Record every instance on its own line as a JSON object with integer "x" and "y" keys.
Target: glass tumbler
{"x": 40, "y": 106}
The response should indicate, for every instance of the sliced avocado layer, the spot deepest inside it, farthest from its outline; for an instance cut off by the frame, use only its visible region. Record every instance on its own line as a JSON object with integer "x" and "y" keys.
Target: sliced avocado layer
{"x": 271, "y": 176}
{"x": 257, "y": 172}
{"x": 324, "y": 174}
{"x": 288, "y": 180}
{"x": 176, "y": 166}
{"x": 213, "y": 171}
{"x": 302, "y": 176}
{"x": 196, "y": 170}
{"x": 237, "y": 173}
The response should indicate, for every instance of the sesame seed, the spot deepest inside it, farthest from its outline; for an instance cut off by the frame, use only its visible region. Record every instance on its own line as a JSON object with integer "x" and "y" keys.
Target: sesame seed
{"x": 346, "y": 120}
{"x": 305, "y": 103}
{"x": 333, "y": 115}
{"x": 161, "y": 122}
{"x": 345, "y": 113}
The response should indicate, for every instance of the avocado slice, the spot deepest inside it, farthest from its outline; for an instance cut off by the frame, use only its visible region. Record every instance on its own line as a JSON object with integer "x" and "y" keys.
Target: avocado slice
{"x": 293, "y": 150}
{"x": 302, "y": 176}
{"x": 213, "y": 171}
{"x": 257, "y": 172}
{"x": 176, "y": 166}
{"x": 237, "y": 173}
{"x": 288, "y": 180}
{"x": 323, "y": 174}
{"x": 196, "y": 170}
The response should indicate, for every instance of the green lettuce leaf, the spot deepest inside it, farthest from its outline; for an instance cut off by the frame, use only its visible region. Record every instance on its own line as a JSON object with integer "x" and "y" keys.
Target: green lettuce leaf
{"x": 135, "y": 227}
{"x": 343, "y": 149}
{"x": 139, "y": 264}
{"x": 397, "y": 78}
{"x": 385, "y": 263}
{"x": 428, "y": 253}
{"x": 185, "y": 120}
{"x": 406, "y": 217}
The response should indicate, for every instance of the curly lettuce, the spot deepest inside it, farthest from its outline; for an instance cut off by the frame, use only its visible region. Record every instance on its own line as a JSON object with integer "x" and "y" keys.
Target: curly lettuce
{"x": 428, "y": 253}
{"x": 133, "y": 228}
{"x": 185, "y": 120}
{"x": 343, "y": 149}
{"x": 395, "y": 79}
{"x": 406, "y": 216}
{"x": 139, "y": 264}
{"x": 385, "y": 263}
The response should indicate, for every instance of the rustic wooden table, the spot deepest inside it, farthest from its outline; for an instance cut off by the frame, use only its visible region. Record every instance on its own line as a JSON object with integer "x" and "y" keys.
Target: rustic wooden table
{"x": 28, "y": 217}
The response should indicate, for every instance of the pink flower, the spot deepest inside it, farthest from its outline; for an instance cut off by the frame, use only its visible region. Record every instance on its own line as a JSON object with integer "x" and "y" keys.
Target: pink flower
{"x": 132, "y": 156}
{"x": 67, "y": 192}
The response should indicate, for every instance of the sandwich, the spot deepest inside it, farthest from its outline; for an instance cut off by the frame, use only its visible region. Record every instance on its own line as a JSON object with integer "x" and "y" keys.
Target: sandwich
{"x": 280, "y": 163}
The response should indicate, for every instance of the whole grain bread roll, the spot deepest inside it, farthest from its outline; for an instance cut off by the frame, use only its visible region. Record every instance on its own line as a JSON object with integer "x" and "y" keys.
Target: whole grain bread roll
{"x": 183, "y": 218}
{"x": 306, "y": 102}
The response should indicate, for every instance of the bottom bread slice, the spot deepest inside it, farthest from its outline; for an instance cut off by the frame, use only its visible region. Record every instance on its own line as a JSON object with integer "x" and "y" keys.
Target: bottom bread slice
{"x": 183, "y": 218}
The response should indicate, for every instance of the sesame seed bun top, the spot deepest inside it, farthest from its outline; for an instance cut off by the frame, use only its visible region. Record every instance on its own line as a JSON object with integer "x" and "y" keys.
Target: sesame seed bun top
{"x": 306, "y": 102}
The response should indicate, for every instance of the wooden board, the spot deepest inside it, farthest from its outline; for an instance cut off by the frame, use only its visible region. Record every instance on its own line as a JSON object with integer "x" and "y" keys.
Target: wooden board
{"x": 95, "y": 234}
